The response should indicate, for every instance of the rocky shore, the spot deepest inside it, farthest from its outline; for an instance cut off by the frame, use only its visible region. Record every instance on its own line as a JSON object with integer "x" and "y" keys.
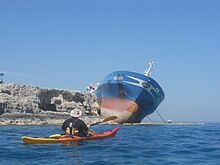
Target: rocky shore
{"x": 28, "y": 104}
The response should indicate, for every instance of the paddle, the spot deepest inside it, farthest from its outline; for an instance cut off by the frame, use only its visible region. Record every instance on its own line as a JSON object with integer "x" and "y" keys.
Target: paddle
{"x": 104, "y": 120}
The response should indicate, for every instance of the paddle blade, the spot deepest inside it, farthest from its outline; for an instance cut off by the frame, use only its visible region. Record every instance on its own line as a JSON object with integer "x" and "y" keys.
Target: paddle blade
{"x": 109, "y": 118}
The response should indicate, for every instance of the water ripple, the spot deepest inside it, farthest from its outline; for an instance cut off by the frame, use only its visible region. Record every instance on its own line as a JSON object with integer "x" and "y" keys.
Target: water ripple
{"x": 133, "y": 144}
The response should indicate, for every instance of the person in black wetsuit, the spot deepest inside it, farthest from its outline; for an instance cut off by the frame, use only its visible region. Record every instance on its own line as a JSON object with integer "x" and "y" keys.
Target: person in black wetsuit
{"x": 74, "y": 125}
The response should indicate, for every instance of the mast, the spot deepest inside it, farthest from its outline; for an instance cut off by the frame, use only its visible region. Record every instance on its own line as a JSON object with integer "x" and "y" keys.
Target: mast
{"x": 147, "y": 71}
{"x": 1, "y": 75}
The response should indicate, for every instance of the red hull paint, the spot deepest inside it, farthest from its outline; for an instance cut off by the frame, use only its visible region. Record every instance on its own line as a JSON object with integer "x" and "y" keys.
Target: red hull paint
{"x": 126, "y": 110}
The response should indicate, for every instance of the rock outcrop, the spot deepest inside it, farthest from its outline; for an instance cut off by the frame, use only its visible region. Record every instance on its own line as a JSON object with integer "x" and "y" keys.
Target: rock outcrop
{"x": 27, "y": 104}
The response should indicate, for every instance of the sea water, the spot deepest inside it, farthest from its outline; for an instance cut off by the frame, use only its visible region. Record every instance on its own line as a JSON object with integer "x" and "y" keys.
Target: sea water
{"x": 166, "y": 144}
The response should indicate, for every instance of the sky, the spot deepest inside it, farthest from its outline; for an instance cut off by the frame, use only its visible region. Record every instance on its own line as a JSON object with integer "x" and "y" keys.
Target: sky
{"x": 69, "y": 44}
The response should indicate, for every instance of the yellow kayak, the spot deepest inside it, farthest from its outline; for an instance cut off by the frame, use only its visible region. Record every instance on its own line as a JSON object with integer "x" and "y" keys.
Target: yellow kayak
{"x": 66, "y": 138}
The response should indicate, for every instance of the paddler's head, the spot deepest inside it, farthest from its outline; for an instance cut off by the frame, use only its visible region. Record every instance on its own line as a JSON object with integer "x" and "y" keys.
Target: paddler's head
{"x": 76, "y": 113}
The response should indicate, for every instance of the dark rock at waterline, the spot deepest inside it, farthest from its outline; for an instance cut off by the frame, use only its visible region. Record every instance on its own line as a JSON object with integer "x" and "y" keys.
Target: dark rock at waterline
{"x": 40, "y": 119}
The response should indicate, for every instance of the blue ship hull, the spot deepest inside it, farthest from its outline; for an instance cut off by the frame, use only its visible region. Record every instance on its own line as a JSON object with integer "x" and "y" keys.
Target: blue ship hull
{"x": 128, "y": 95}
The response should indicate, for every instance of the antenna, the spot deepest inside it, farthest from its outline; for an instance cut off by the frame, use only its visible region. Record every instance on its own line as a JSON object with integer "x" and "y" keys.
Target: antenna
{"x": 147, "y": 71}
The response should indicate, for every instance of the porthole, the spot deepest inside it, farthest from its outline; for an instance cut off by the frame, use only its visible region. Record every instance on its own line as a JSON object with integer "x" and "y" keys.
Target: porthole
{"x": 146, "y": 85}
